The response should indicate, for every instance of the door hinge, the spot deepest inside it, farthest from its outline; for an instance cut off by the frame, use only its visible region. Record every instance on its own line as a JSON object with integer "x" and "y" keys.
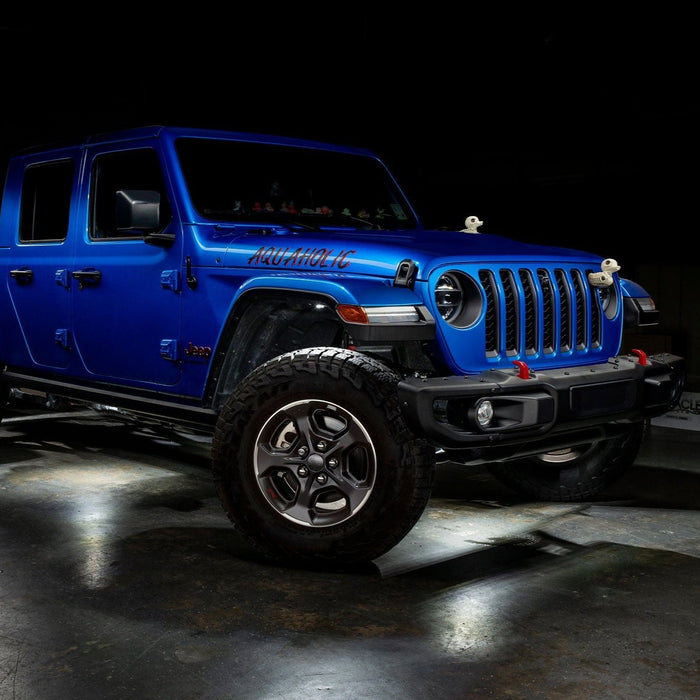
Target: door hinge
{"x": 169, "y": 349}
{"x": 62, "y": 278}
{"x": 62, "y": 337}
{"x": 170, "y": 279}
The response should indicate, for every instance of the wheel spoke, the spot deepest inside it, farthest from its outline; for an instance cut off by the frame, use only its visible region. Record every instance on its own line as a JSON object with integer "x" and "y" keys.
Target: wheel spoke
{"x": 355, "y": 495}
{"x": 303, "y": 508}
{"x": 352, "y": 437}
{"x": 301, "y": 416}
{"x": 269, "y": 459}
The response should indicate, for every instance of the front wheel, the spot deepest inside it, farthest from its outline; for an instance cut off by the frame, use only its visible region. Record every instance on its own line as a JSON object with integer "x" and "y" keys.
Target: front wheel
{"x": 314, "y": 462}
{"x": 573, "y": 474}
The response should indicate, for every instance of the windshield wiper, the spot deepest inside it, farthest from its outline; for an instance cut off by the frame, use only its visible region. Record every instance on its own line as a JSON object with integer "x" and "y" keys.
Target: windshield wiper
{"x": 360, "y": 220}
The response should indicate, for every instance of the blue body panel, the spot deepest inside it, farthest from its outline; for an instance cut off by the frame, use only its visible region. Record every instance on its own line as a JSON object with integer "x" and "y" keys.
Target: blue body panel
{"x": 143, "y": 326}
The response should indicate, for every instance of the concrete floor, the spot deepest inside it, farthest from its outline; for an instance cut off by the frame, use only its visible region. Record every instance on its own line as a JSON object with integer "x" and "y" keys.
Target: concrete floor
{"x": 120, "y": 577}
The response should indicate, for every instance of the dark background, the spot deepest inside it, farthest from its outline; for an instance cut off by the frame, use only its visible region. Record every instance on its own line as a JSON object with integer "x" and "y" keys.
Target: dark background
{"x": 579, "y": 130}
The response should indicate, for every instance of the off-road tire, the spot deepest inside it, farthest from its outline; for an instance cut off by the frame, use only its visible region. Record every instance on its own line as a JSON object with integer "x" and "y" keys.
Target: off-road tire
{"x": 578, "y": 474}
{"x": 314, "y": 462}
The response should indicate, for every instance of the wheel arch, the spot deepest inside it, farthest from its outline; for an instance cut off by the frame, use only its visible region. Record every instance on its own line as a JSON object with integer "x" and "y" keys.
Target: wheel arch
{"x": 258, "y": 328}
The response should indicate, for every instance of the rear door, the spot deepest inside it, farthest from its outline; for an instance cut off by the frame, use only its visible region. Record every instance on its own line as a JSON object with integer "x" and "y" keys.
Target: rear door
{"x": 38, "y": 274}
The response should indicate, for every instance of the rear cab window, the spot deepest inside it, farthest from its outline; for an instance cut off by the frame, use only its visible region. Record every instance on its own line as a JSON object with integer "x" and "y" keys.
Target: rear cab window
{"x": 45, "y": 202}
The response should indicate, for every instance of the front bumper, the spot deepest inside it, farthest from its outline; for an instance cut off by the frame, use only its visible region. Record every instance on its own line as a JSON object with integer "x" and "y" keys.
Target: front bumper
{"x": 625, "y": 388}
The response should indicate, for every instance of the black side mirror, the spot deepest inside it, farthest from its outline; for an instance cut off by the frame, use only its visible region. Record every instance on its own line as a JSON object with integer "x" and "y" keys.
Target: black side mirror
{"x": 137, "y": 210}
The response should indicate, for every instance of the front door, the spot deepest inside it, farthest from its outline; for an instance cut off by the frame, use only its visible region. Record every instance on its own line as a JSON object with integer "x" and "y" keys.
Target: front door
{"x": 126, "y": 292}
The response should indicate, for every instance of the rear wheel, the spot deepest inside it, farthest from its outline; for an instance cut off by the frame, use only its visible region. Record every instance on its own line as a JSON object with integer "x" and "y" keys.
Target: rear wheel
{"x": 314, "y": 462}
{"x": 573, "y": 474}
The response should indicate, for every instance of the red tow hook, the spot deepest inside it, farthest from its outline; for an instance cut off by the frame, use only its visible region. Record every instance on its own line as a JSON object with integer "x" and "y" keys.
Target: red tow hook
{"x": 641, "y": 355}
{"x": 524, "y": 372}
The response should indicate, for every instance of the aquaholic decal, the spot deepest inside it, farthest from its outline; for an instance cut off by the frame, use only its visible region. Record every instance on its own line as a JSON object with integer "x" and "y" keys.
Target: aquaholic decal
{"x": 300, "y": 257}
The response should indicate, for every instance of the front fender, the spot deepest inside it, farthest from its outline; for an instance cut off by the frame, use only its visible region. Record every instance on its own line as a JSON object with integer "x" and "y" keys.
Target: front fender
{"x": 372, "y": 310}
{"x": 639, "y": 307}
{"x": 344, "y": 289}
{"x": 632, "y": 289}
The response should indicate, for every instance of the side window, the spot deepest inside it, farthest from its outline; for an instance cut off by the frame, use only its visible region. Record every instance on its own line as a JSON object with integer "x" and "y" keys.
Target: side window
{"x": 45, "y": 207}
{"x": 119, "y": 177}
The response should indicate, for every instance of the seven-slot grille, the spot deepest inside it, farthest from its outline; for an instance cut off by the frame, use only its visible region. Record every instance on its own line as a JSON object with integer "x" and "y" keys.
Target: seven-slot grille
{"x": 539, "y": 311}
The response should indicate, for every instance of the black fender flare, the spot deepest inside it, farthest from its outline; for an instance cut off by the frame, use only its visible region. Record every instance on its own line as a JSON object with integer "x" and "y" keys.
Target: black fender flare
{"x": 264, "y": 324}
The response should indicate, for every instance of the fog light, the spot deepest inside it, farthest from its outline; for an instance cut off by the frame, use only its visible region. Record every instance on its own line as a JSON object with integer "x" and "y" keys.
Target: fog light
{"x": 484, "y": 413}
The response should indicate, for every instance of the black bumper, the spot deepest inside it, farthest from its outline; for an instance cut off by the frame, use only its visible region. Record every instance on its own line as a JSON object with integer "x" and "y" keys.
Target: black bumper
{"x": 625, "y": 388}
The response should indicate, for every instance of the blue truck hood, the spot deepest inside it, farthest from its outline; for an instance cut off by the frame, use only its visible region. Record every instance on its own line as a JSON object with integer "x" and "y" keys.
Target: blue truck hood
{"x": 378, "y": 252}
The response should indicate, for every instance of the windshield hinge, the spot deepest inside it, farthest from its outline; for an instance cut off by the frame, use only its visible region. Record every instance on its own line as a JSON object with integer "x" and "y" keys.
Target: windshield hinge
{"x": 406, "y": 274}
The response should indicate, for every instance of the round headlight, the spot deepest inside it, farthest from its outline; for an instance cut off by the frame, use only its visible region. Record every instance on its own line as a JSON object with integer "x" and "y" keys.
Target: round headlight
{"x": 608, "y": 300}
{"x": 604, "y": 296}
{"x": 449, "y": 297}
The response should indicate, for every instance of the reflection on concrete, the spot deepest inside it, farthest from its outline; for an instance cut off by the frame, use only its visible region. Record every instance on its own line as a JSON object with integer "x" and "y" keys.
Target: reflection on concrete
{"x": 450, "y": 529}
{"x": 120, "y": 576}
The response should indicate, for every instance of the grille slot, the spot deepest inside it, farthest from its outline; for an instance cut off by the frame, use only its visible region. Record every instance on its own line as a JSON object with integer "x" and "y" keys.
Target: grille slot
{"x": 596, "y": 319}
{"x": 492, "y": 338}
{"x": 548, "y": 318}
{"x": 539, "y": 311}
{"x": 532, "y": 324}
{"x": 511, "y": 311}
{"x": 581, "y": 316}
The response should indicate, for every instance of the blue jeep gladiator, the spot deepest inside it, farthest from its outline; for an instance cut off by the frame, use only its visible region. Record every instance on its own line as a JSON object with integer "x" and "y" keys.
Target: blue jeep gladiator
{"x": 282, "y": 296}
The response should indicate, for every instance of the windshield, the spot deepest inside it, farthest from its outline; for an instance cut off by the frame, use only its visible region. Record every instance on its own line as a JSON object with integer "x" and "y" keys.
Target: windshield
{"x": 242, "y": 181}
